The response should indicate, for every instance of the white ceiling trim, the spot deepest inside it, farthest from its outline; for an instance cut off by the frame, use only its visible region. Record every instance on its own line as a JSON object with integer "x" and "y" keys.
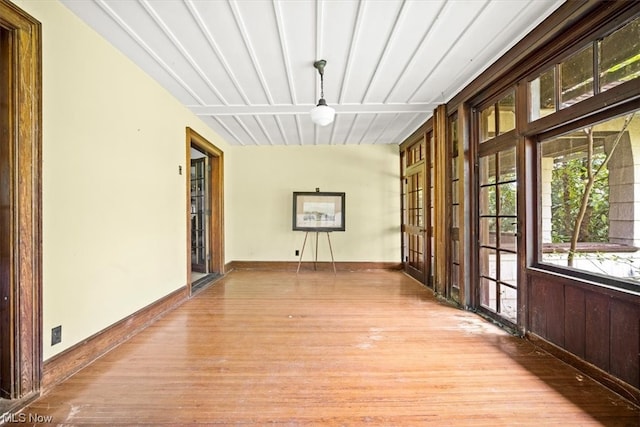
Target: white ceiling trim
{"x": 176, "y": 42}
{"x": 252, "y": 53}
{"x": 383, "y": 55}
{"x": 249, "y": 110}
{"x": 246, "y": 67}
{"x": 354, "y": 41}
{"x": 414, "y": 55}
{"x": 214, "y": 46}
{"x": 285, "y": 50}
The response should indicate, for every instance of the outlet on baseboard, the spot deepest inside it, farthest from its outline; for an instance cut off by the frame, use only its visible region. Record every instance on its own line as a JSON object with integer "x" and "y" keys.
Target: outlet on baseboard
{"x": 56, "y": 335}
{"x": 297, "y": 252}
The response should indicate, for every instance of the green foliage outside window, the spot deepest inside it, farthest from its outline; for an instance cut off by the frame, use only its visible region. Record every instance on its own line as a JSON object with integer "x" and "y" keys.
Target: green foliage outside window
{"x": 567, "y": 188}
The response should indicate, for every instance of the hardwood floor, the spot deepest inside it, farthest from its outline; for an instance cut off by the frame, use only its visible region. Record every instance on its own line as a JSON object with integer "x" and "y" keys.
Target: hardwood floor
{"x": 374, "y": 348}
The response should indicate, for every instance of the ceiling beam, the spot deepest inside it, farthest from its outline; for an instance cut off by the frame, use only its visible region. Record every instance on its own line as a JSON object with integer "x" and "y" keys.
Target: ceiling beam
{"x": 253, "y": 110}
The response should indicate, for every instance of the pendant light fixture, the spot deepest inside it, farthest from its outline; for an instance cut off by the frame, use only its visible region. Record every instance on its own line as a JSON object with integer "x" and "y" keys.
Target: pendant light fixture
{"x": 322, "y": 114}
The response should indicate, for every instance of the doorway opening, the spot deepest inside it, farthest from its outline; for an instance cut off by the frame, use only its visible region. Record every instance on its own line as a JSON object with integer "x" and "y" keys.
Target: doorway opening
{"x": 204, "y": 211}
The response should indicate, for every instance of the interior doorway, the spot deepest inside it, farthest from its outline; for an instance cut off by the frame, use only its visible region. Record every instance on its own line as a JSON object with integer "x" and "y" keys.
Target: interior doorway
{"x": 204, "y": 211}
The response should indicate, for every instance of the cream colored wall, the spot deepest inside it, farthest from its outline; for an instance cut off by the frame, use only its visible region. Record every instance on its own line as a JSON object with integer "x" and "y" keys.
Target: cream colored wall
{"x": 264, "y": 178}
{"x": 114, "y": 224}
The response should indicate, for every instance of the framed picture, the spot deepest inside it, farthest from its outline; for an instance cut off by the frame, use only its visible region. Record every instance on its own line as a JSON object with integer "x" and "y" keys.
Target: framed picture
{"x": 318, "y": 211}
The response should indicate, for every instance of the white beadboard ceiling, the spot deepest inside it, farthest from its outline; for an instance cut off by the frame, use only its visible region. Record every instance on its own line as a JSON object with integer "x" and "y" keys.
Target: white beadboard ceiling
{"x": 246, "y": 66}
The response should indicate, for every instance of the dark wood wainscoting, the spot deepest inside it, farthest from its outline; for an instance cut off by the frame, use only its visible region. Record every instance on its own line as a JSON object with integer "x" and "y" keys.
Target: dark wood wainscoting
{"x": 599, "y": 325}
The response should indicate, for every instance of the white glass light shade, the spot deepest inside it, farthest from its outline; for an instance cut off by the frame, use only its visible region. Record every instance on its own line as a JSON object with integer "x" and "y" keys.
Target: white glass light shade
{"x": 322, "y": 114}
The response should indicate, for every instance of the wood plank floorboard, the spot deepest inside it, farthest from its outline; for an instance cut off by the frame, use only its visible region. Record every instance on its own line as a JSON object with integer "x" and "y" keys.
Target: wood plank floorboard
{"x": 363, "y": 348}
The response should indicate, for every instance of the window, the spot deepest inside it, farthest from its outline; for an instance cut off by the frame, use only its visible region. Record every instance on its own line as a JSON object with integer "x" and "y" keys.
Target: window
{"x": 619, "y": 56}
{"x": 543, "y": 95}
{"x": 574, "y": 79}
{"x": 498, "y": 118}
{"x": 589, "y": 198}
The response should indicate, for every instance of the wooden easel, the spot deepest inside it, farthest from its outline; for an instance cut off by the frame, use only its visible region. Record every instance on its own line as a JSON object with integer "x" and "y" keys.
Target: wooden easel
{"x": 315, "y": 262}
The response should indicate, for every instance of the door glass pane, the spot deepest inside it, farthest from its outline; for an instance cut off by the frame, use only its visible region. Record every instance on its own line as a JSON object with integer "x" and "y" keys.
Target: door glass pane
{"x": 508, "y": 268}
{"x": 455, "y": 211}
{"x": 488, "y": 231}
{"x": 508, "y": 303}
{"x": 507, "y": 236}
{"x": 488, "y": 294}
{"x": 488, "y": 262}
{"x": 415, "y": 194}
{"x": 488, "y": 200}
{"x": 508, "y": 198}
{"x": 507, "y": 233}
{"x": 487, "y": 170}
{"x": 416, "y": 252}
{"x": 507, "y": 160}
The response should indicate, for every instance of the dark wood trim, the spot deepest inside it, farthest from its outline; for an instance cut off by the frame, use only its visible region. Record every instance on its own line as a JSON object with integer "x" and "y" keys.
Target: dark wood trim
{"x": 618, "y": 386}
{"x": 6, "y": 223}
{"x": 22, "y": 104}
{"x": 216, "y": 175}
{"x": 524, "y": 158}
{"x": 590, "y": 119}
{"x": 579, "y": 19}
{"x": 309, "y": 266}
{"x": 71, "y": 360}
{"x": 441, "y": 203}
{"x": 464, "y": 221}
{"x": 623, "y": 97}
{"x": 417, "y": 134}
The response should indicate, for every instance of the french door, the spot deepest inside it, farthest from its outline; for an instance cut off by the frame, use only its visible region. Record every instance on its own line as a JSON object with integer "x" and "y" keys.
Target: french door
{"x": 417, "y": 209}
{"x": 200, "y": 212}
{"x": 498, "y": 231}
{"x": 414, "y": 227}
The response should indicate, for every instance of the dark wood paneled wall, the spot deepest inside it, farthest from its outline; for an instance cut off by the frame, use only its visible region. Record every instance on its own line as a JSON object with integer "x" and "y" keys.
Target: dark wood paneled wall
{"x": 595, "y": 323}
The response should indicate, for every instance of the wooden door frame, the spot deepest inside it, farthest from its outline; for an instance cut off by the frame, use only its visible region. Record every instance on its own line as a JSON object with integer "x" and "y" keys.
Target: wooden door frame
{"x": 216, "y": 195}
{"x": 421, "y": 166}
{"x": 21, "y": 89}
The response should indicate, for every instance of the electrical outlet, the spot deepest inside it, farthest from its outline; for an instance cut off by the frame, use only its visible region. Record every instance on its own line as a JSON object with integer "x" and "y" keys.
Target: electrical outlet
{"x": 297, "y": 252}
{"x": 56, "y": 335}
